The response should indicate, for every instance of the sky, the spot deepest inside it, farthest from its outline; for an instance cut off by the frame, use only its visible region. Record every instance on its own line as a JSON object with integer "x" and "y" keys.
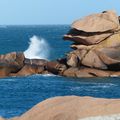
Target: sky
{"x": 37, "y": 12}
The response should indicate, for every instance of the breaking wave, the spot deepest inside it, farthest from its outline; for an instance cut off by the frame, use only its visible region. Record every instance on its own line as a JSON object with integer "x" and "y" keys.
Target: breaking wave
{"x": 38, "y": 49}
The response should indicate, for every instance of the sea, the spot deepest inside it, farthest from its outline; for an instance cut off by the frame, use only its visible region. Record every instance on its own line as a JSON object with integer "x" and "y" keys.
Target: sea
{"x": 19, "y": 94}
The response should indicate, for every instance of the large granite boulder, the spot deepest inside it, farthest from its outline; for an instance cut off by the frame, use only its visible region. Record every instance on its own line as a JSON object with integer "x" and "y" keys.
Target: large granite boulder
{"x": 94, "y": 28}
{"x": 11, "y": 63}
{"x": 101, "y": 22}
{"x": 73, "y": 108}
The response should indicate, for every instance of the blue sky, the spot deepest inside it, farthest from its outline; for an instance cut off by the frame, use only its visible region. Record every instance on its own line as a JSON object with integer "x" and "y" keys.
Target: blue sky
{"x": 22, "y": 12}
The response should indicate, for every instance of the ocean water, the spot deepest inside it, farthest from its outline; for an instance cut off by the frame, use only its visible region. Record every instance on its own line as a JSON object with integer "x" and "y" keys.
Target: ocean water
{"x": 19, "y": 94}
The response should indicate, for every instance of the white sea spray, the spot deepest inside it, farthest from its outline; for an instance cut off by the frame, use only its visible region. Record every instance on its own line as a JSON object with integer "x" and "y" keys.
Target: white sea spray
{"x": 38, "y": 49}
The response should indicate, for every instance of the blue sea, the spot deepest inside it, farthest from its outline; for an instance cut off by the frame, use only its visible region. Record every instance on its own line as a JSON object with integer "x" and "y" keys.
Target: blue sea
{"x": 19, "y": 94}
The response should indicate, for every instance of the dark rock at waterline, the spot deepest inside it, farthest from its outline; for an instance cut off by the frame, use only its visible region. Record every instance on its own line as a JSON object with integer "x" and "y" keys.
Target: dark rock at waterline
{"x": 30, "y": 70}
{"x": 86, "y": 72}
{"x": 56, "y": 67}
{"x": 15, "y": 64}
{"x": 32, "y": 66}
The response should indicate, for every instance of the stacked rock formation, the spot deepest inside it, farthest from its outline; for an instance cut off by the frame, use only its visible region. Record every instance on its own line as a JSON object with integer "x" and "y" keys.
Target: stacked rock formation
{"x": 96, "y": 45}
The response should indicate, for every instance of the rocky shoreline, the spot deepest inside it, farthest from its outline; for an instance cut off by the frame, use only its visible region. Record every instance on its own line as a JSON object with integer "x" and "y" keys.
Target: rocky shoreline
{"x": 96, "y": 47}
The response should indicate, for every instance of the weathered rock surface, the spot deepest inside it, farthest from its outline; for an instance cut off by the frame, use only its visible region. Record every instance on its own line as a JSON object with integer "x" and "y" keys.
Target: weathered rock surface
{"x": 105, "y": 21}
{"x": 32, "y": 66}
{"x": 29, "y": 70}
{"x": 11, "y": 63}
{"x": 86, "y": 38}
{"x": 96, "y": 45}
{"x": 72, "y": 108}
{"x": 88, "y": 73}
{"x": 2, "y": 118}
{"x": 102, "y": 56}
{"x": 94, "y": 28}
{"x": 56, "y": 67}
{"x": 15, "y": 64}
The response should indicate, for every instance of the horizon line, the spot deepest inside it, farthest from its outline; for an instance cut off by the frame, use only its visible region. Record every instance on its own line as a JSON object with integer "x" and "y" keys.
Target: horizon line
{"x": 28, "y": 24}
